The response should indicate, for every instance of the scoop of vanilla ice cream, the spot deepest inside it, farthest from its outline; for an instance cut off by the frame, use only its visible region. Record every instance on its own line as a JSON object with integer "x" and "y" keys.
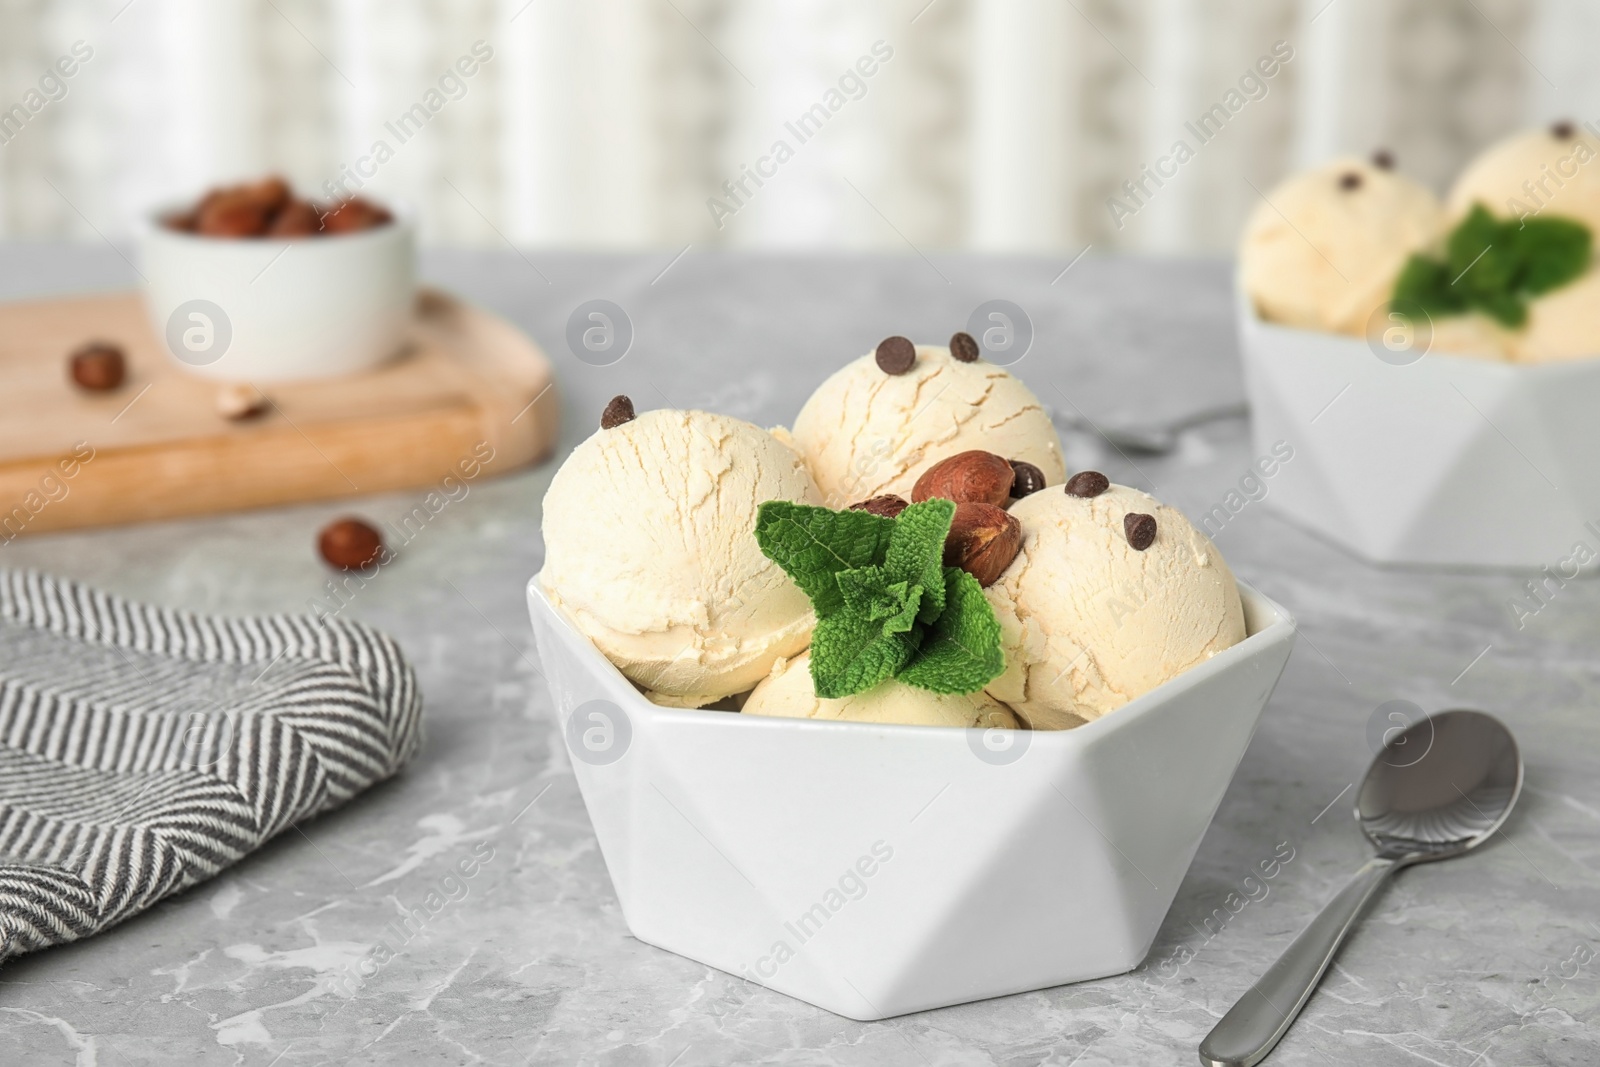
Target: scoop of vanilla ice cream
{"x": 1088, "y": 622}
{"x": 865, "y": 432}
{"x": 1546, "y": 172}
{"x": 1562, "y": 324}
{"x": 1323, "y": 249}
{"x": 788, "y": 693}
{"x": 650, "y": 548}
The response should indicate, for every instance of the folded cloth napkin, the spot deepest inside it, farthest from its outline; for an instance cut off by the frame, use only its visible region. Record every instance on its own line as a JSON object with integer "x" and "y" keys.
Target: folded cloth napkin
{"x": 143, "y": 750}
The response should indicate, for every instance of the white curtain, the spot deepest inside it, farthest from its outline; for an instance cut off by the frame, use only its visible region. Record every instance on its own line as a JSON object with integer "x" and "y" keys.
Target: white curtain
{"x": 991, "y": 124}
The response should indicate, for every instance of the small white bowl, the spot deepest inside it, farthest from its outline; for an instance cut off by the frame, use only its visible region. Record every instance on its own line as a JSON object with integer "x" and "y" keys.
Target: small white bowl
{"x": 1446, "y": 460}
{"x": 876, "y": 870}
{"x": 269, "y": 309}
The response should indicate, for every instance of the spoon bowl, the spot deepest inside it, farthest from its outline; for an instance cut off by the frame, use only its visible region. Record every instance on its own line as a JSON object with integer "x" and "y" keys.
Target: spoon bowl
{"x": 1438, "y": 788}
{"x": 1441, "y": 787}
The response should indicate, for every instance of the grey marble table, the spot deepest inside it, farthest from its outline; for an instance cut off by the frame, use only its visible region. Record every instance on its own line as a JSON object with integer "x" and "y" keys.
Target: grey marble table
{"x": 1484, "y": 960}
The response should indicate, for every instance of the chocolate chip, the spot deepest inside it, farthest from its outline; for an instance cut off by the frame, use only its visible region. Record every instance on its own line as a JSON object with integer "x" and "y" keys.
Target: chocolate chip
{"x": 1140, "y": 530}
{"x": 619, "y": 411}
{"x": 1026, "y": 479}
{"x": 98, "y": 366}
{"x": 1383, "y": 159}
{"x": 887, "y": 505}
{"x": 1087, "y": 484}
{"x": 964, "y": 348}
{"x": 1562, "y": 130}
{"x": 349, "y": 544}
{"x": 896, "y": 355}
{"x": 1350, "y": 179}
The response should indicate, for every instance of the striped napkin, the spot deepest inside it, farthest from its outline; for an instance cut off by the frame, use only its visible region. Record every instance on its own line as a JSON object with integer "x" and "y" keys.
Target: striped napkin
{"x": 143, "y": 750}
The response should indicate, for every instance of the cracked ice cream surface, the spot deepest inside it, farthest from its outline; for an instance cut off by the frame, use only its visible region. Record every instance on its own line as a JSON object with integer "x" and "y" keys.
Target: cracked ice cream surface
{"x": 1088, "y": 623}
{"x": 865, "y": 433}
{"x": 650, "y": 548}
{"x": 788, "y": 693}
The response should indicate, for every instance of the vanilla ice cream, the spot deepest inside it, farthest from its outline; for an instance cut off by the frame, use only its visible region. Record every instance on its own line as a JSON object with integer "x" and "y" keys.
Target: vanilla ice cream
{"x": 1089, "y": 622}
{"x": 865, "y": 432}
{"x": 1473, "y": 334}
{"x": 1323, "y": 250}
{"x": 1562, "y": 324}
{"x": 788, "y": 693}
{"x": 651, "y": 551}
{"x": 1547, "y": 172}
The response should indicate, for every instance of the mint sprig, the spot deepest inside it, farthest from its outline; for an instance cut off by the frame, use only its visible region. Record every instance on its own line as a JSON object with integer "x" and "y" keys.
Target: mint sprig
{"x": 1495, "y": 267}
{"x": 887, "y": 606}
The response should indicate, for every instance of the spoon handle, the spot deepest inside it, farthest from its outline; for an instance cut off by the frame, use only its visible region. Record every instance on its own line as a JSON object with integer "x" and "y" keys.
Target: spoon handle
{"x": 1262, "y": 1016}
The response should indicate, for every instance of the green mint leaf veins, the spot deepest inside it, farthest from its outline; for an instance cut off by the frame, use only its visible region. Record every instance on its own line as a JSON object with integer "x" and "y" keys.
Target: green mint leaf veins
{"x": 886, "y": 604}
{"x": 851, "y": 654}
{"x": 869, "y": 592}
{"x": 961, "y": 651}
{"x": 916, "y": 551}
{"x": 814, "y": 544}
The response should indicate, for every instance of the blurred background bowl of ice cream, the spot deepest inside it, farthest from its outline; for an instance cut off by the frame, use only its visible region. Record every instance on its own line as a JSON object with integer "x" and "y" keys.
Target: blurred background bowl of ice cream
{"x": 278, "y": 307}
{"x": 1425, "y": 437}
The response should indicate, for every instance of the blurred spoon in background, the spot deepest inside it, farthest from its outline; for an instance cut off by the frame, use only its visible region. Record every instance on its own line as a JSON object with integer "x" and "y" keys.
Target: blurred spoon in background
{"x": 1156, "y": 439}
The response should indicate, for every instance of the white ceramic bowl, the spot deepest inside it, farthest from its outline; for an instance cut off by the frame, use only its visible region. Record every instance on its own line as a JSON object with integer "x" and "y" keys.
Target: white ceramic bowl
{"x": 275, "y": 309}
{"x": 1447, "y": 460}
{"x": 877, "y": 870}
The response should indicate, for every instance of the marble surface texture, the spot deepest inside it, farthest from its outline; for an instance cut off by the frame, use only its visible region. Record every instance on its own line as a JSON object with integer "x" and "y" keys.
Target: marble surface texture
{"x": 1489, "y": 959}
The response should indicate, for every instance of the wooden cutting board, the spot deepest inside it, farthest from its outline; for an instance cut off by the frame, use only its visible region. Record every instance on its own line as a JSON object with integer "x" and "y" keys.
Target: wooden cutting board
{"x": 469, "y": 385}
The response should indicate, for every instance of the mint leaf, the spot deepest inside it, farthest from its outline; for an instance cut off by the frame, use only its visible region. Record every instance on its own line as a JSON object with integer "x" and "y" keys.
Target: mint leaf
{"x": 886, "y": 605}
{"x": 1473, "y": 257}
{"x": 814, "y": 544}
{"x": 1425, "y": 283}
{"x": 1505, "y": 308}
{"x": 961, "y": 653}
{"x": 851, "y": 654}
{"x": 1556, "y": 252}
{"x": 916, "y": 552}
{"x": 1494, "y": 266}
{"x": 868, "y": 593}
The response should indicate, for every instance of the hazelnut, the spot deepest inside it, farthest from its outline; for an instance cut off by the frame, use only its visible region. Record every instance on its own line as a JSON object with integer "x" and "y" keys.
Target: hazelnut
{"x": 983, "y": 540}
{"x": 976, "y": 476}
{"x": 298, "y": 218}
{"x": 240, "y": 402}
{"x": 232, "y": 215}
{"x": 353, "y": 215}
{"x": 271, "y": 193}
{"x": 98, "y": 366}
{"x": 887, "y": 505}
{"x": 349, "y": 544}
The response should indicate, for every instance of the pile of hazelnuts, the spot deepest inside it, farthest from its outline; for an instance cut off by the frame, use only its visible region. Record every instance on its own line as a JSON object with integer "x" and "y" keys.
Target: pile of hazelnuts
{"x": 270, "y": 208}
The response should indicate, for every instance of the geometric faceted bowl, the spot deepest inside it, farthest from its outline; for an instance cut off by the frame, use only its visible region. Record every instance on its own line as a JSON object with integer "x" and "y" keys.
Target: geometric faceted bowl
{"x": 1446, "y": 460}
{"x": 874, "y": 870}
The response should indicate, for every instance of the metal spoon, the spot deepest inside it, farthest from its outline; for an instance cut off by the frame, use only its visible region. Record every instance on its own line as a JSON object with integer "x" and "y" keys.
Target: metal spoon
{"x": 1438, "y": 789}
{"x": 1157, "y": 439}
